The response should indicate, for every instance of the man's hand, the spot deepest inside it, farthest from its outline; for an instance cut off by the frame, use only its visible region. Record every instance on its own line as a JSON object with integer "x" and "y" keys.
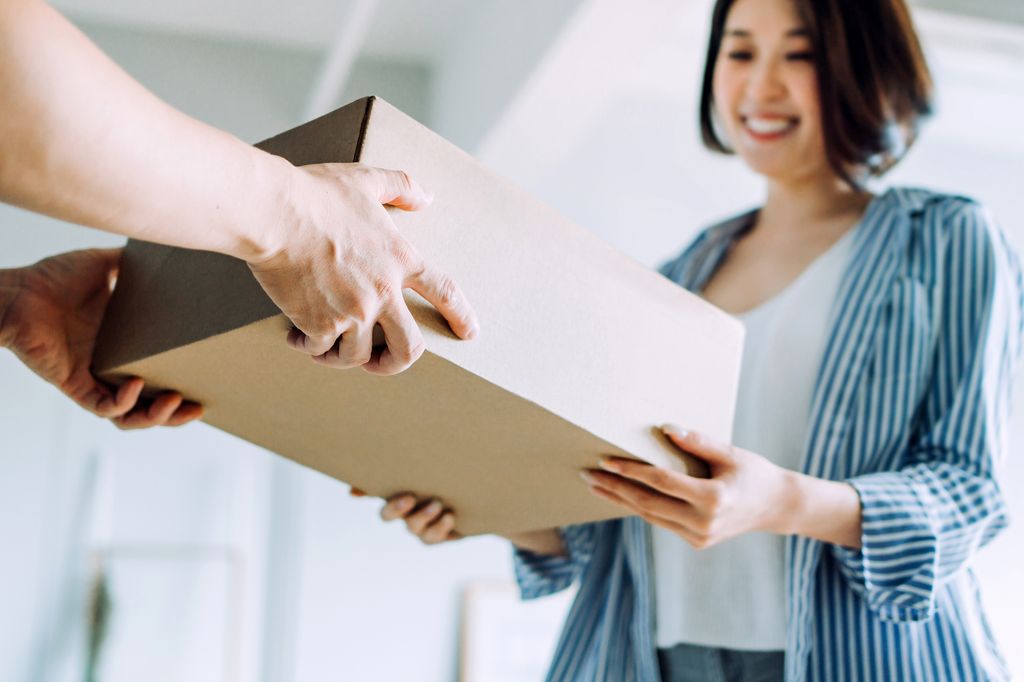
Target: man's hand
{"x": 341, "y": 265}
{"x": 50, "y": 314}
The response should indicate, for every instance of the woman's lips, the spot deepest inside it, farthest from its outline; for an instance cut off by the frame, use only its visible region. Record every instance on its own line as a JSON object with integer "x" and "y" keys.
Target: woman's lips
{"x": 768, "y": 128}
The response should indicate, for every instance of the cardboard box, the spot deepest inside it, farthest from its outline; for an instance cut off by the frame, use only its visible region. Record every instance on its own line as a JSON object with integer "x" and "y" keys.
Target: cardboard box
{"x": 582, "y": 352}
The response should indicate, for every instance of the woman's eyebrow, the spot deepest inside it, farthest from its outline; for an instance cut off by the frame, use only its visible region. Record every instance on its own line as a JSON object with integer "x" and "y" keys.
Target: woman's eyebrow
{"x": 791, "y": 33}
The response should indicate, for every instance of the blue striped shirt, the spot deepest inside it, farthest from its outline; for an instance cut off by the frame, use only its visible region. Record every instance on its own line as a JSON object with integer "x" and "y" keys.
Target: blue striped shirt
{"x": 911, "y": 407}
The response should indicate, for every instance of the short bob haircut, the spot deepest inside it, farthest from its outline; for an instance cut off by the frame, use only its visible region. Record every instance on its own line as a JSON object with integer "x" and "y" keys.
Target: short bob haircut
{"x": 874, "y": 85}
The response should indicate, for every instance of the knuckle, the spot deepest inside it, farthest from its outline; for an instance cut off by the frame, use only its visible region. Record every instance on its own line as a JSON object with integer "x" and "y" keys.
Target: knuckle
{"x": 403, "y": 181}
{"x": 406, "y": 257}
{"x": 447, "y": 290}
{"x": 715, "y": 496}
{"x": 660, "y": 478}
{"x": 644, "y": 498}
{"x": 385, "y": 289}
{"x": 411, "y": 352}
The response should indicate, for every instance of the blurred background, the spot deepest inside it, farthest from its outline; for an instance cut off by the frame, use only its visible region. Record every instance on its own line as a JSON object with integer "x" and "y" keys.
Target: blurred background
{"x": 190, "y": 555}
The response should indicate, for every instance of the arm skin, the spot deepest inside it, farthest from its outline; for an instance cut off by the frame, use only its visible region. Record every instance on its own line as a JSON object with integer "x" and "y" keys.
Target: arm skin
{"x": 83, "y": 142}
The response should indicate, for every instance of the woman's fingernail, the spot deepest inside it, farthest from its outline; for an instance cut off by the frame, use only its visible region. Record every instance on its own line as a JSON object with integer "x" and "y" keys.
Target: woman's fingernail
{"x": 588, "y": 478}
{"x": 671, "y": 430}
{"x": 434, "y": 507}
{"x": 609, "y": 464}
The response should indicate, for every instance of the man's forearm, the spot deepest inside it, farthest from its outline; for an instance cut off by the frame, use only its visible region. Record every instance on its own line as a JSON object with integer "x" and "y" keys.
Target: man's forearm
{"x": 80, "y": 140}
{"x": 10, "y": 283}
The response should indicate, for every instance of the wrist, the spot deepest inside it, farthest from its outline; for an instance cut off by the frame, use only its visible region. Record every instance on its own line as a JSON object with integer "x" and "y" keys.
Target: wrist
{"x": 820, "y": 509}
{"x": 268, "y": 211}
{"x": 546, "y": 542}
{"x": 790, "y": 509}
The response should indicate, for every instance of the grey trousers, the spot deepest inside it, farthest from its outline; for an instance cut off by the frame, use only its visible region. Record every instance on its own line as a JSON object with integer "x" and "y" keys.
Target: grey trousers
{"x": 689, "y": 663}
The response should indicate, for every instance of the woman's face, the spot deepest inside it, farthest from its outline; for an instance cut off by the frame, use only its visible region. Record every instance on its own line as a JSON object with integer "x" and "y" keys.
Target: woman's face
{"x": 766, "y": 91}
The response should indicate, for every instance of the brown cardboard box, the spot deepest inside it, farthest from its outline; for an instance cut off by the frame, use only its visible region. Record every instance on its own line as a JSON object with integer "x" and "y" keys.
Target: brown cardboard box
{"x": 582, "y": 350}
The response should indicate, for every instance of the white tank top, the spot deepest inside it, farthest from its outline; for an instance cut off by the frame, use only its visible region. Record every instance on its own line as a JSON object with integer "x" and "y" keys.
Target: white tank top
{"x": 733, "y": 595}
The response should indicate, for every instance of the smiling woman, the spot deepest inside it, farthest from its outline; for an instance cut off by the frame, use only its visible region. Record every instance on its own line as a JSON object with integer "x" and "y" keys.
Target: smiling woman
{"x": 865, "y": 105}
{"x": 835, "y": 535}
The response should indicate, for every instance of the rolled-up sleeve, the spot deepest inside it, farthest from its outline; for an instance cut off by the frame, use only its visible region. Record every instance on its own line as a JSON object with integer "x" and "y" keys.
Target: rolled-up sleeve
{"x": 539, "y": 575}
{"x": 923, "y": 523}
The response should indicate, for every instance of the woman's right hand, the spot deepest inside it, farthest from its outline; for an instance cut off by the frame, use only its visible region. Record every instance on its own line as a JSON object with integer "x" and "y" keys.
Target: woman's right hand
{"x": 426, "y": 518}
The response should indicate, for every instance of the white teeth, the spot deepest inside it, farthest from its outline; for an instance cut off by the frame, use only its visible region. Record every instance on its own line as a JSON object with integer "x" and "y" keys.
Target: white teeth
{"x": 768, "y": 126}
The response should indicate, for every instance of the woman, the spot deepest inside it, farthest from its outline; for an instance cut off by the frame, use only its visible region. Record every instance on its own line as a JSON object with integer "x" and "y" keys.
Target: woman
{"x": 833, "y": 538}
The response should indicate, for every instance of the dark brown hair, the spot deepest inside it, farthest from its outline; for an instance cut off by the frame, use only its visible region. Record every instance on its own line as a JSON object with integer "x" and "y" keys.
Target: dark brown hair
{"x": 874, "y": 85}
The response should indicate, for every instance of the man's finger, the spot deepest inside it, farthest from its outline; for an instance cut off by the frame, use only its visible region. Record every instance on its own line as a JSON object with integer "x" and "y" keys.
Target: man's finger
{"x": 443, "y": 293}
{"x": 396, "y": 188}
{"x": 353, "y": 349}
{"x": 312, "y": 344}
{"x": 121, "y": 403}
{"x": 404, "y": 341}
{"x": 187, "y": 412}
{"x": 156, "y": 414}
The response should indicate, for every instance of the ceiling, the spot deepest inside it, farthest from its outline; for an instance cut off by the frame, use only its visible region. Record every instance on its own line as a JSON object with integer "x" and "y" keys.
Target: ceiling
{"x": 400, "y": 29}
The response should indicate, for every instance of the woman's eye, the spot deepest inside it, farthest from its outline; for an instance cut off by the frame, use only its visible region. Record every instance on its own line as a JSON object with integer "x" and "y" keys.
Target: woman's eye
{"x": 740, "y": 55}
{"x": 800, "y": 56}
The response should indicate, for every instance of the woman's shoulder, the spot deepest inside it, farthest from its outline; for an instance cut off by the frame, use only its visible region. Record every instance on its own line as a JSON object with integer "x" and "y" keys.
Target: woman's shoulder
{"x": 946, "y": 215}
{"x": 708, "y": 242}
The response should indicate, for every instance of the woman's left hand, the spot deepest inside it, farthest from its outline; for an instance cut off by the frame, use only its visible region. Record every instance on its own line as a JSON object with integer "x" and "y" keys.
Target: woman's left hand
{"x": 745, "y": 492}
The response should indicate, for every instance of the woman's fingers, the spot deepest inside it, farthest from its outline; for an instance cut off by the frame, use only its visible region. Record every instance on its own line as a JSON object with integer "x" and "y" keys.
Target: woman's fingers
{"x": 693, "y": 537}
{"x": 441, "y": 530}
{"x": 643, "y": 500}
{"x": 699, "y": 445}
{"x": 422, "y": 517}
{"x": 672, "y": 483}
{"x": 427, "y": 519}
{"x": 397, "y": 507}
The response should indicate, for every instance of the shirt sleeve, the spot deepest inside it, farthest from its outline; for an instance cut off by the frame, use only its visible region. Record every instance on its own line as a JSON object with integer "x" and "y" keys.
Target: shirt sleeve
{"x": 924, "y": 522}
{"x": 539, "y": 575}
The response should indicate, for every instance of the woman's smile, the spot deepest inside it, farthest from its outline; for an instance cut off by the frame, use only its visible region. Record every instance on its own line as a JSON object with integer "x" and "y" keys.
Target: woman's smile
{"x": 763, "y": 128}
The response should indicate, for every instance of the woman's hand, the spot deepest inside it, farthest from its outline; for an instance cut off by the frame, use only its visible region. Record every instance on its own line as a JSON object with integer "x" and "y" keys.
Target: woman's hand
{"x": 426, "y": 518}
{"x": 430, "y": 525}
{"x": 50, "y": 316}
{"x": 746, "y": 492}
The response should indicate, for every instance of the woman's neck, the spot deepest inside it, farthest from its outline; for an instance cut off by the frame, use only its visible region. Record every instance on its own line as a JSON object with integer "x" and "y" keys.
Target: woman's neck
{"x": 798, "y": 206}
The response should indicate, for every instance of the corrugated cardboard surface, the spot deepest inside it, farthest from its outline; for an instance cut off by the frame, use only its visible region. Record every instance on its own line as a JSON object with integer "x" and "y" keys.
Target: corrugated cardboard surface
{"x": 582, "y": 350}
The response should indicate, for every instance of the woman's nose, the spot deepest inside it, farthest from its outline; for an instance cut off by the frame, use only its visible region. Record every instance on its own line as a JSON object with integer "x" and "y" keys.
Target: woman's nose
{"x": 765, "y": 83}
